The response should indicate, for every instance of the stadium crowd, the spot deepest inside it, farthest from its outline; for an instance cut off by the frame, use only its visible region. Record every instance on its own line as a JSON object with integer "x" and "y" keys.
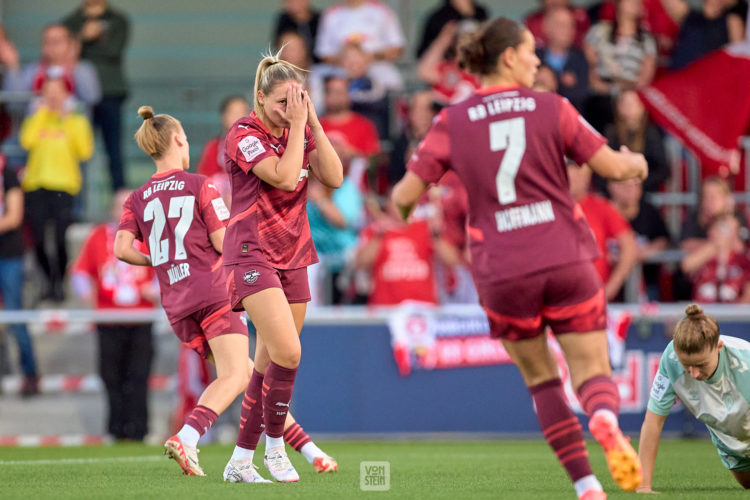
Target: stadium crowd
{"x": 375, "y": 109}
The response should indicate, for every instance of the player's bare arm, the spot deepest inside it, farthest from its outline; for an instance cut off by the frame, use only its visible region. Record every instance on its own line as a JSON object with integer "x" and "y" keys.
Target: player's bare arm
{"x": 217, "y": 238}
{"x": 619, "y": 166}
{"x": 283, "y": 173}
{"x": 648, "y": 446}
{"x": 406, "y": 193}
{"x": 324, "y": 161}
{"x": 126, "y": 252}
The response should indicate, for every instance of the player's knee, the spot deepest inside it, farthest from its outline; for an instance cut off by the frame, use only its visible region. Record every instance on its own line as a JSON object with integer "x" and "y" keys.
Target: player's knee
{"x": 289, "y": 359}
{"x": 237, "y": 381}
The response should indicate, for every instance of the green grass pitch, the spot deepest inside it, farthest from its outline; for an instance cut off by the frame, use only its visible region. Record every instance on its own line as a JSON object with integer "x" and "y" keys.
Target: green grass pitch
{"x": 419, "y": 469}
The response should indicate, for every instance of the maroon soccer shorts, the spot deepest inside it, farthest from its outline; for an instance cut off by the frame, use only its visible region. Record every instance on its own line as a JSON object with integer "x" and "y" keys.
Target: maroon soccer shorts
{"x": 295, "y": 284}
{"x": 207, "y": 323}
{"x": 247, "y": 279}
{"x": 568, "y": 299}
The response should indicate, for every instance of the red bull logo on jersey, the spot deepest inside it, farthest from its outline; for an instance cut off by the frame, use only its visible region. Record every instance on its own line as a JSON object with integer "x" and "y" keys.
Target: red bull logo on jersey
{"x": 251, "y": 277}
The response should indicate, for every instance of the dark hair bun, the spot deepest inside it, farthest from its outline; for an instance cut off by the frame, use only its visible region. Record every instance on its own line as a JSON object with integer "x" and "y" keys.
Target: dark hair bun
{"x": 471, "y": 55}
{"x": 694, "y": 311}
{"x": 146, "y": 112}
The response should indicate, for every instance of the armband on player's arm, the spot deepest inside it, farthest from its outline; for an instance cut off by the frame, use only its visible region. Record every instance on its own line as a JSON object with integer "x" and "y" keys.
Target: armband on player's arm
{"x": 126, "y": 252}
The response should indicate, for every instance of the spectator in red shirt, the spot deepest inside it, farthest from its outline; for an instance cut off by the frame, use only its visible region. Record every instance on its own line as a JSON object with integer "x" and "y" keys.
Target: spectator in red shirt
{"x": 400, "y": 257}
{"x": 439, "y": 68}
{"x": 125, "y": 350}
{"x": 352, "y": 134}
{"x": 447, "y": 208}
{"x": 535, "y": 21}
{"x": 618, "y": 249}
{"x": 211, "y": 164}
{"x": 720, "y": 270}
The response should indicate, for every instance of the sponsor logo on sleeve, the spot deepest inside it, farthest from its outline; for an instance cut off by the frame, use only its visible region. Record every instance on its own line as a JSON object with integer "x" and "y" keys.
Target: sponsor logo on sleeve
{"x": 660, "y": 386}
{"x": 222, "y": 212}
{"x": 251, "y": 148}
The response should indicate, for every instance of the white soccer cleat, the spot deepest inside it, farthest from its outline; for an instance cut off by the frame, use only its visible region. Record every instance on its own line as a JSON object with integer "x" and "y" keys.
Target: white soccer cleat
{"x": 325, "y": 464}
{"x": 185, "y": 456}
{"x": 238, "y": 471}
{"x": 279, "y": 466}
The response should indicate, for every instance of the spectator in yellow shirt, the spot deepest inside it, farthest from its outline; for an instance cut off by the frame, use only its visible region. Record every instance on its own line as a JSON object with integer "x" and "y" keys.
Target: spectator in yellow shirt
{"x": 58, "y": 140}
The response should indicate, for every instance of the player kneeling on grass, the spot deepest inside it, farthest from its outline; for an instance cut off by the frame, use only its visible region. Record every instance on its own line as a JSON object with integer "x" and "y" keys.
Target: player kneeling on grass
{"x": 709, "y": 374}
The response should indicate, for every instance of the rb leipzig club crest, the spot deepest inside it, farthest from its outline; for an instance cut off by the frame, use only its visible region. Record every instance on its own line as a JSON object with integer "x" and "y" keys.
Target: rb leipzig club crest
{"x": 251, "y": 277}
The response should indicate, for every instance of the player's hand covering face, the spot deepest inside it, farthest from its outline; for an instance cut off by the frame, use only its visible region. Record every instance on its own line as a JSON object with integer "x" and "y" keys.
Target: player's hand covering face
{"x": 285, "y": 105}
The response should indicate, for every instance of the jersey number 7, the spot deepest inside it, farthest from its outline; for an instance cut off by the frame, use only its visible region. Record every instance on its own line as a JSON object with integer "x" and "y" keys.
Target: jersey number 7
{"x": 179, "y": 206}
{"x": 508, "y": 135}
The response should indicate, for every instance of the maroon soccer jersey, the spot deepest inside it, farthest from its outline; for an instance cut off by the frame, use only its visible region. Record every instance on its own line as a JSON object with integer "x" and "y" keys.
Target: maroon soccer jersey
{"x": 266, "y": 223}
{"x": 174, "y": 212}
{"x": 508, "y": 146}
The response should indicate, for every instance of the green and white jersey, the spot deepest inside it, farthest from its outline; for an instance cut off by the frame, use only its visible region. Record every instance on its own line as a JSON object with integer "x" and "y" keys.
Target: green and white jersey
{"x": 721, "y": 402}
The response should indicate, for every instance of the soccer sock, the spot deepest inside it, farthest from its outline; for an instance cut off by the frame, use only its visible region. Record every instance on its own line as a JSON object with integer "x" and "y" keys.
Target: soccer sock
{"x": 296, "y": 437}
{"x": 272, "y": 442}
{"x": 561, "y": 428}
{"x": 242, "y": 454}
{"x": 587, "y": 483}
{"x": 277, "y": 393}
{"x": 197, "y": 424}
{"x": 600, "y": 394}
{"x": 251, "y": 414}
{"x": 310, "y": 451}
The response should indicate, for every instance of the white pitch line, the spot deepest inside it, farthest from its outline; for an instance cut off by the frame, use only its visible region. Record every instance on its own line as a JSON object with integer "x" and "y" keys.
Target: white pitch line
{"x": 148, "y": 458}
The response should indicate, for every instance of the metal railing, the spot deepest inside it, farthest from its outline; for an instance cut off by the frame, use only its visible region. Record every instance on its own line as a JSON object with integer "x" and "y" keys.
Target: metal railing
{"x": 356, "y": 315}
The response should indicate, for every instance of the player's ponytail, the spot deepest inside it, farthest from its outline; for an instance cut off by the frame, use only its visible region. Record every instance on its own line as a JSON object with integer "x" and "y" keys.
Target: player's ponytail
{"x": 155, "y": 133}
{"x": 479, "y": 52}
{"x": 272, "y": 70}
{"x": 696, "y": 331}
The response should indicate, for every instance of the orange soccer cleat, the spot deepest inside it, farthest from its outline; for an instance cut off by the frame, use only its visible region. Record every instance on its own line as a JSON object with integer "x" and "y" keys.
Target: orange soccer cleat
{"x": 325, "y": 464}
{"x": 185, "y": 456}
{"x": 624, "y": 464}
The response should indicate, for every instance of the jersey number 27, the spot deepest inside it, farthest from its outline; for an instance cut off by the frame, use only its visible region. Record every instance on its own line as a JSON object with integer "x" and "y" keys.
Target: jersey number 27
{"x": 179, "y": 206}
{"x": 509, "y": 136}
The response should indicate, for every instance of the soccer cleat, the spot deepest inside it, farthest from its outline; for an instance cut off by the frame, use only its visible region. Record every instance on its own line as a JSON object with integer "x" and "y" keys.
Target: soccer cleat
{"x": 185, "y": 456}
{"x": 593, "y": 494}
{"x": 279, "y": 466}
{"x": 624, "y": 464}
{"x": 325, "y": 464}
{"x": 238, "y": 471}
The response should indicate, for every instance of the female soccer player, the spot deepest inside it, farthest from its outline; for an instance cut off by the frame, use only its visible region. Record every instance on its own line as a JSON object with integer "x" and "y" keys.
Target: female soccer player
{"x": 268, "y": 247}
{"x": 709, "y": 374}
{"x": 532, "y": 251}
{"x": 182, "y": 217}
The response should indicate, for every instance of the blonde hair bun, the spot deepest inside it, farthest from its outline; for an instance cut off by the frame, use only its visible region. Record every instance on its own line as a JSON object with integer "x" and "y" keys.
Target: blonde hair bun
{"x": 146, "y": 112}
